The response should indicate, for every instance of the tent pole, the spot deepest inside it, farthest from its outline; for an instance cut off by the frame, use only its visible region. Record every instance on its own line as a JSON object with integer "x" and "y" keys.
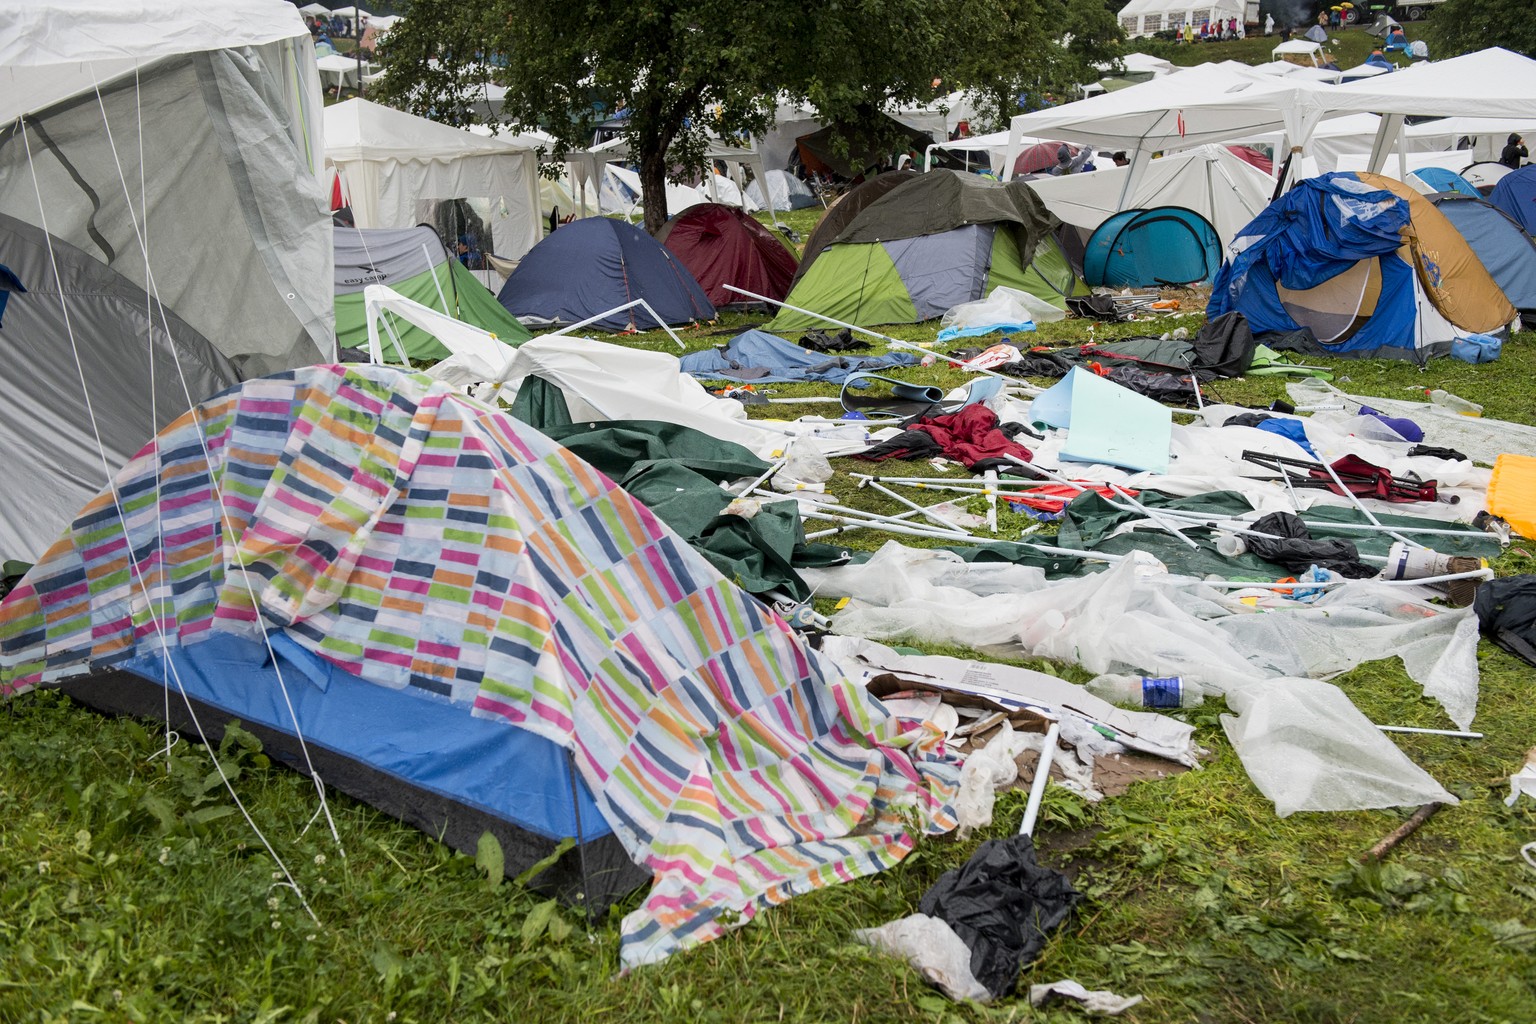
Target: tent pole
{"x": 619, "y": 309}
{"x": 425, "y": 252}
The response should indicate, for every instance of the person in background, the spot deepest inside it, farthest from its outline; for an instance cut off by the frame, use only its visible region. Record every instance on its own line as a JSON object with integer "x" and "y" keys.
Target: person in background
{"x": 1269, "y": 24}
{"x": 1121, "y": 159}
{"x": 1514, "y": 153}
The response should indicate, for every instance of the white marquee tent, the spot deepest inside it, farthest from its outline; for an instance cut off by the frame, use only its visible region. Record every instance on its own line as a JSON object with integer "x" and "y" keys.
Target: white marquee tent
{"x": 1146, "y": 17}
{"x": 390, "y": 161}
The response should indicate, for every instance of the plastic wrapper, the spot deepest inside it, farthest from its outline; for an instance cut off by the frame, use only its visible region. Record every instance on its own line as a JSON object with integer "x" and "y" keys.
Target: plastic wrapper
{"x": 1003, "y": 308}
{"x": 933, "y": 949}
{"x": 1308, "y": 748}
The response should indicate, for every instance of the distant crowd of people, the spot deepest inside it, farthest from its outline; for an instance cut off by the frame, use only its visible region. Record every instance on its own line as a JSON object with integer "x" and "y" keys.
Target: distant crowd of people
{"x": 336, "y": 27}
{"x": 1209, "y": 31}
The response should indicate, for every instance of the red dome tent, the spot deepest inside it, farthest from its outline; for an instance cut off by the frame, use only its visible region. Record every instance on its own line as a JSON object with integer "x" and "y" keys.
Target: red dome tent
{"x": 721, "y": 245}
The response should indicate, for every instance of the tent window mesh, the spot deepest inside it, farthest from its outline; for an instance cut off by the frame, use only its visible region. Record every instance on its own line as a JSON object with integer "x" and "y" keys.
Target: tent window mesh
{"x": 1152, "y": 23}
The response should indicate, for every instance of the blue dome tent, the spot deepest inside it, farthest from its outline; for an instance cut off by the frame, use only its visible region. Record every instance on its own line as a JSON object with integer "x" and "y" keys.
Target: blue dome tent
{"x": 1503, "y": 246}
{"x": 592, "y": 265}
{"x": 1165, "y": 245}
{"x": 1442, "y": 180}
{"x": 1515, "y": 194}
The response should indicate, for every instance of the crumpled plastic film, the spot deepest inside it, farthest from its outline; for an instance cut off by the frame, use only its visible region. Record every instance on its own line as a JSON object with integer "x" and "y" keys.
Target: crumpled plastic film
{"x": 984, "y": 771}
{"x": 933, "y": 949}
{"x": 1308, "y": 748}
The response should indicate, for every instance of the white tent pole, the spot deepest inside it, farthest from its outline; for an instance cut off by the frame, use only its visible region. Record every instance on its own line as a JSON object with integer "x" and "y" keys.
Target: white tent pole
{"x": 619, "y": 309}
{"x": 1011, "y": 154}
{"x": 1132, "y": 177}
{"x": 427, "y": 254}
{"x": 928, "y": 157}
{"x": 820, "y": 316}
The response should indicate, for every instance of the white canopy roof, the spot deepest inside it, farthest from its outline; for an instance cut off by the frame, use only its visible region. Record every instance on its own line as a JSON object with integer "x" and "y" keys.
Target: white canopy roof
{"x": 314, "y": 9}
{"x": 351, "y": 12}
{"x": 56, "y": 49}
{"x": 1489, "y": 83}
{"x": 362, "y": 130}
{"x": 1304, "y": 47}
{"x": 1207, "y": 103}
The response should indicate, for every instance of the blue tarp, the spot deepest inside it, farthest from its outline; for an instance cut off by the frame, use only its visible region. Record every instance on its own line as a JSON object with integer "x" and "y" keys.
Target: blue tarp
{"x": 1515, "y": 194}
{"x": 594, "y": 264}
{"x": 758, "y": 357}
{"x": 1502, "y": 245}
{"x": 1313, "y": 233}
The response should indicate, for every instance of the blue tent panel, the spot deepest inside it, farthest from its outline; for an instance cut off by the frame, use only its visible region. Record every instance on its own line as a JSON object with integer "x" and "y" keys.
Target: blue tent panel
{"x": 1515, "y": 194}
{"x": 592, "y": 265}
{"x": 1166, "y": 245}
{"x": 412, "y": 736}
{"x": 1503, "y": 246}
{"x": 1306, "y": 239}
{"x": 943, "y": 270}
{"x": 1442, "y": 180}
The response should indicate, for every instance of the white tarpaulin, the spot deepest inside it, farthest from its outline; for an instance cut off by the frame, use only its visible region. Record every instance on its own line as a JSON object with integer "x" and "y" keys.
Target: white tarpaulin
{"x": 389, "y": 160}
{"x": 1224, "y": 189}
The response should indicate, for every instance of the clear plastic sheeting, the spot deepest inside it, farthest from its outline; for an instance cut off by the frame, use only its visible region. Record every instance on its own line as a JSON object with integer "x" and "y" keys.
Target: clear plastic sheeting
{"x": 1367, "y": 621}
{"x": 1307, "y": 748}
{"x": 1482, "y": 439}
{"x": 1123, "y": 621}
{"x": 1004, "y": 307}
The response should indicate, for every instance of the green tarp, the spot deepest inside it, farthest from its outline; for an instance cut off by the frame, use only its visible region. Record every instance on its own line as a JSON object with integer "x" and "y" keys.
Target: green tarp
{"x": 468, "y": 300}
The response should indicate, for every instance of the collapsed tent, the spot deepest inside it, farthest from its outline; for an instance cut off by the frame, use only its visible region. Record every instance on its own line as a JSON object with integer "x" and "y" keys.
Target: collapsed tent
{"x": 842, "y": 212}
{"x": 1515, "y": 194}
{"x": 593, "y": 265}
{"x": 932, "y": 243}
{"x": 722, "y": 245}
{"x": 1346, "y": 259}
{"x": 493, "y": 637}
{"x": 207, "y": 117}
{"x": 1152, "y": 248}
{"x": 414, "y": 263}
{"x": 1502, "y": 245}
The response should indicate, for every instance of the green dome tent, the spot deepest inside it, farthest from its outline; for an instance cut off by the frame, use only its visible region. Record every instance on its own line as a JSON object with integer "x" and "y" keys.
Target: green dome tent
{"x": 941, "y": 239}
{"x": 414, "y": 263}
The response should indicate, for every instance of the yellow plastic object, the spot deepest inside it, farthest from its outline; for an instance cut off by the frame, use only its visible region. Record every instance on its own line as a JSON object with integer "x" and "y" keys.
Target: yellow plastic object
{"x": 1512, "y": 493}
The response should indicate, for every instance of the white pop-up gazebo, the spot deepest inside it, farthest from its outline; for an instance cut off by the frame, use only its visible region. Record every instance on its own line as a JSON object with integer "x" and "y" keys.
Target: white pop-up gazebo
{"x": 390, "y": 161}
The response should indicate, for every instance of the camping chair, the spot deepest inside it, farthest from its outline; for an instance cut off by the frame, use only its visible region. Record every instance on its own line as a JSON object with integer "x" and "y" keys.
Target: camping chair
{"x": 1361, "y": 478}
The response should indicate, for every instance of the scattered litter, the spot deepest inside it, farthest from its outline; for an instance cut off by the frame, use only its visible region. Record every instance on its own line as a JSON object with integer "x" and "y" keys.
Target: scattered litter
{"x": 1097, "y": 1001}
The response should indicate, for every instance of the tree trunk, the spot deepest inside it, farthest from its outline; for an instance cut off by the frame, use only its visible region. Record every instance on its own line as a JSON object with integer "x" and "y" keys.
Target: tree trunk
{"x": 653, "y": 182}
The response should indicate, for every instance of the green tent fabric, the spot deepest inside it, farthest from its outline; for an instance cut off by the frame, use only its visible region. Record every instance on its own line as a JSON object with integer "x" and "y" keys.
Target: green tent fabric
{"x": 413, "y": 262}
{"x": 676, "y": 472}
{"x": 929, "y": 244}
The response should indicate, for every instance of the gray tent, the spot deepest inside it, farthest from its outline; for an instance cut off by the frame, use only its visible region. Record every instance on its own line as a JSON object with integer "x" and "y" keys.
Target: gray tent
{"x": 174, "y": 166}
{"x": 785, "y": 192}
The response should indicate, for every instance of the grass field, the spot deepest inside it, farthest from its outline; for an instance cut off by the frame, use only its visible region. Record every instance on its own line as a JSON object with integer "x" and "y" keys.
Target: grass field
{"x": 132, "y": 890}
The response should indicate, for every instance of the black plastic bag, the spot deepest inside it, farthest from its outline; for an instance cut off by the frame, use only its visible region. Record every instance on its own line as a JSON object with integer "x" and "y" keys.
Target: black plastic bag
{"x": 1506, "y": 613}
{"x": 1003, "y": 905}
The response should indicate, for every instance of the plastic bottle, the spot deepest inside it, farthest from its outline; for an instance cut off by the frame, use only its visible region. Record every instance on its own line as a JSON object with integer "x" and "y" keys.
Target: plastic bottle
{"x": 1147, "y": 691}
{"x": 1445, "y": 400}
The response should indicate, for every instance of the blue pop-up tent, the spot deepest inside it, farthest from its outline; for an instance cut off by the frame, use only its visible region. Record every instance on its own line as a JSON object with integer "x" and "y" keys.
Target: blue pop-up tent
{"x": 1515, "y": 194}
{"x": 1442, "y": 180}
{"x": 1166, "y": 245}
{"x": 595, "y": 264}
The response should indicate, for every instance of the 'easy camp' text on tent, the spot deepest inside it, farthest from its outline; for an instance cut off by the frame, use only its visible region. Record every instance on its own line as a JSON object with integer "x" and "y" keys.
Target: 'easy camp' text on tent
{"x": 722, "y": 245}
{"x": 1152, "y": 248}
{"x": 1500, "y": 243}
{"x": 932, "y": 243}
{"x": 466, "y": 613}
{"x": 591, "y": 266}
{"x": 208, "y": 116}
{"x": 414, "y": 263}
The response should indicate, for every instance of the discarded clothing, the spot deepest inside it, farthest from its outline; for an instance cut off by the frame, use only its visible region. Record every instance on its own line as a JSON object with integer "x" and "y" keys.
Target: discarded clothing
{"x": 1297, "y": 551}
{"x": 1165, "y": 388}
{"x": 1003, "y": 905}
{"x": 1506, "y": 613}
{"x": 970, "y": 436}
{"x": 1294, "y": 429}
{"x": 760, "y": 358}
{"x": 1448, "y": 454}
{"x": 1225, "y": 345}
{"x": 842, "y": 341}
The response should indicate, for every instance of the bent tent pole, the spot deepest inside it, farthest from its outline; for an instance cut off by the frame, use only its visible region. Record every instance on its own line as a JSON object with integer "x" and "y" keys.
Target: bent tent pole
{"x": 432, "y": 267}
{"x": 820, "y": 316}
{"x": 619, "y": 309}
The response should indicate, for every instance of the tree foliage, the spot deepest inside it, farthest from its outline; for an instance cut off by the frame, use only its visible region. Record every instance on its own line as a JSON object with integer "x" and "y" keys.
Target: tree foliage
{"x": 1462, "y": 26}
{"x": 686, "y": 69}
